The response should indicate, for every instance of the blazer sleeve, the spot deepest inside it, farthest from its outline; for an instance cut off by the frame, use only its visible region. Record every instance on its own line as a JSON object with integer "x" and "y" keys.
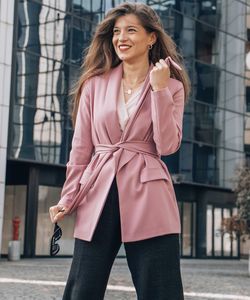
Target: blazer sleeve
{"x": 167, "y": 117}
{"x": 81, "y": 149}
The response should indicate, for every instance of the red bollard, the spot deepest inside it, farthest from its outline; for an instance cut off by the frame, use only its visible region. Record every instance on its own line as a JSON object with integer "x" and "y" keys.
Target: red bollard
{"x": 16, "y": 224}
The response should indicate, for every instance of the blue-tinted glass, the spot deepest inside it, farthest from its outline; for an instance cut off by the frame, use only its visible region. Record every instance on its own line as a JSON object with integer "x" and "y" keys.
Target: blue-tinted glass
{"x": 41, "y": 109}
{"x": 40, "y": 135}
{"x": 207, "y": 82}
{"x": 205, "y": 167}
{"x": 211, "y": 37}
{"x": 81, "y": 31}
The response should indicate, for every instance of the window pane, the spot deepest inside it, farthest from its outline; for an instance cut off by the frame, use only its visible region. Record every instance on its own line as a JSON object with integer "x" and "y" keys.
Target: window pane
{"x": 205, "y": 168}
{"x": 207, "y": 127}
{"x": 186, "y": 229}
{"x": 226, "y": 236}
{"x": 39, "y": 135}
{"x": 235, "y": 241}
{"x": 209, "y": 232}
{"x": 217, "y": 232}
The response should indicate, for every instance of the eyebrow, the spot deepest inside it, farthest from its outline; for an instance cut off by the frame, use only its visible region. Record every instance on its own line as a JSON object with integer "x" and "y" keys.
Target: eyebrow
{"x": 128, "y": 26}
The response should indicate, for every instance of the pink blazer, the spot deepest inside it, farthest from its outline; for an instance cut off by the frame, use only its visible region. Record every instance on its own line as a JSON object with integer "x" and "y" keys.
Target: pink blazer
{"x": 100, "y": 151}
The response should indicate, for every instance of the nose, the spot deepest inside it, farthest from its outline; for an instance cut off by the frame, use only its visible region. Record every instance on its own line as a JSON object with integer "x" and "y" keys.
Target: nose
{"x": 122, "y": 36}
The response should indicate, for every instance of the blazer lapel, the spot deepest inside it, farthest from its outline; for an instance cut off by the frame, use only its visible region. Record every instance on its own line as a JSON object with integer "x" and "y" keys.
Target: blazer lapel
{"x": 112, "y": 95}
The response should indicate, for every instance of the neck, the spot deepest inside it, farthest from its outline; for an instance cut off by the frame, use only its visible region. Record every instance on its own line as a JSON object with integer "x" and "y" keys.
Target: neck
{"x": 133, "y": 73}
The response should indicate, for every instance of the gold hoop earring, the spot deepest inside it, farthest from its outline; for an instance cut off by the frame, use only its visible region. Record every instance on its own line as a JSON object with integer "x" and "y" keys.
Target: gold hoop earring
{"x": 150, "y": 46}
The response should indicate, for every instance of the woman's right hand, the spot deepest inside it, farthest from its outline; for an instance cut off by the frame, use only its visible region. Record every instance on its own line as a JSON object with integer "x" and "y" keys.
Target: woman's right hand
{"x": 57, "y": 213}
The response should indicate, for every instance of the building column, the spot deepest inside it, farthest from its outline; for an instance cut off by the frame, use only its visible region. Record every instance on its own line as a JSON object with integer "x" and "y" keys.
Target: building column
{"x": 231, "y": 93}
{"x": 6, "y": 38}
{"x": 201, "y": 236}
{"x": 31, "y": 213}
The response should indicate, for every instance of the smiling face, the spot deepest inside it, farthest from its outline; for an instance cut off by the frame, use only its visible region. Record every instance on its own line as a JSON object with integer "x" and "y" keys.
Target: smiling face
{"x": 130, "y": 39}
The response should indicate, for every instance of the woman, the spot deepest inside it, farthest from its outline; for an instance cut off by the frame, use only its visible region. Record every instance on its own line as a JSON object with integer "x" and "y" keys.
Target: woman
{"x": 128, "y": 112}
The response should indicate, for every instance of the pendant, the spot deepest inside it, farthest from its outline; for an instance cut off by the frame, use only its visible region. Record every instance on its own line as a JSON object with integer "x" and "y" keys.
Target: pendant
{"x": 129, "y": 91}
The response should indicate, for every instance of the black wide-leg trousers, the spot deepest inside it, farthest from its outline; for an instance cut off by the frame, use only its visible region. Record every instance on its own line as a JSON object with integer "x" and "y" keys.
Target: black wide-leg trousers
{"x": 154, "y": 263}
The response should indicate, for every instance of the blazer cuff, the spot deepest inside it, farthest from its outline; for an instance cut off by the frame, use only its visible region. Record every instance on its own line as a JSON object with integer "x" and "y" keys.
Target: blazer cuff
{"x": 64, "y": 202}
{"x": 162, "y": 94}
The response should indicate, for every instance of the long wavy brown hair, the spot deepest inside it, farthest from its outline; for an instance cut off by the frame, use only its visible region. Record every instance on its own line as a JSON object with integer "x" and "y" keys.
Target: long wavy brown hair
{"x": 100, "y": 56}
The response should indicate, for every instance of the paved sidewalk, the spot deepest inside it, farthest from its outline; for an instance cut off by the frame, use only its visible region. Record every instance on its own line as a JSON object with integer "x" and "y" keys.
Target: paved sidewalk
{"x": 43, "y": 279}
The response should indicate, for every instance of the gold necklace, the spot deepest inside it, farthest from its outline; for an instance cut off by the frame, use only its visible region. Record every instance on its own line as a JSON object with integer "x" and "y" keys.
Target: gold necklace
{"x": 130, "y": 90}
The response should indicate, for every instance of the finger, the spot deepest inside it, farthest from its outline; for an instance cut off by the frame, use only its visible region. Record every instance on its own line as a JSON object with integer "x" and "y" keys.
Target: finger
{"x": 58, "y": 216}
{"x": 61, "y": 209}
{"x": 159, "y": 66}
{"x": 52, "y": 212}
{"x": 163, "y": 63}
{"x": 55, "y": 209}
{"x": 154, "y": 69}
{"x": 52, "y": 216}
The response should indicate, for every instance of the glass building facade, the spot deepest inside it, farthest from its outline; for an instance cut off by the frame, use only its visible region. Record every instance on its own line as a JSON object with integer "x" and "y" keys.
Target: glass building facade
{"x": 49, "y": 42}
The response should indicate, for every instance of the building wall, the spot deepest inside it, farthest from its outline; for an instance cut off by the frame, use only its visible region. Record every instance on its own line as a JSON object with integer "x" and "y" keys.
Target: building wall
{"x": 212, "y": 38}
{"x": 6, "y": 38}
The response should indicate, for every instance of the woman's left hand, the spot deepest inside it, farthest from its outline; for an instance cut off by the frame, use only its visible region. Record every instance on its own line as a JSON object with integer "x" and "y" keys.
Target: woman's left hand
{"x": 159, "y": 75}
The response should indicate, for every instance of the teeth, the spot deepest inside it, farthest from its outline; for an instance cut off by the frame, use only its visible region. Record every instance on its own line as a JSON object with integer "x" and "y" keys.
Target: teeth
{"x": 124, "y": 47}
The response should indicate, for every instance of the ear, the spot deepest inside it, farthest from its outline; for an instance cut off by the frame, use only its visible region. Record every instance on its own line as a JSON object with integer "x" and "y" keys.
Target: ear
{"x": 152, "y": 38}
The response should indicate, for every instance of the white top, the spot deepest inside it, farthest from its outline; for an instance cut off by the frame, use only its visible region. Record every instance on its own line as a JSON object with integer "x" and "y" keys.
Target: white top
{"x": 125, "y": 110}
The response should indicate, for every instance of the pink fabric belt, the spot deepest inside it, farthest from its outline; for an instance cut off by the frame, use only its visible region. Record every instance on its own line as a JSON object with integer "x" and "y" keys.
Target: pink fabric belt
{"x": 134, "y": 146}
{"x": 114, "y": 160}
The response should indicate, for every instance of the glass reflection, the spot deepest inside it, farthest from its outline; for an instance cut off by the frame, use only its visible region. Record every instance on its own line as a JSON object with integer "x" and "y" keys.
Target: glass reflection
{"x": 226, "y": 236}
{"x": 41, "y": 111}
{"x": 187, "y": 229}
{"x": 206, "y": 124}
{"x": 209, "y": 233}
{"x": 217, "y": 242}
{"x": 205, "y": 165}
{"x": 51, "y": 39}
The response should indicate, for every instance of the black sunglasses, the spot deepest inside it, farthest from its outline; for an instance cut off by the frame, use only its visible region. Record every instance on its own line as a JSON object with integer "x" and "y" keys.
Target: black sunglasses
{"x": 54, "y": 247}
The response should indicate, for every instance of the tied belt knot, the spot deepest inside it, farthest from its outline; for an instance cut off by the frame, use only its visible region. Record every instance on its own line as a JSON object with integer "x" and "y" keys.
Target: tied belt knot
{"x": 142, "y": 147}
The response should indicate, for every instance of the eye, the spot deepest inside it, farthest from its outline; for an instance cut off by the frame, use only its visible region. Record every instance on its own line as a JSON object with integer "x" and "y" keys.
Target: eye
{"x": 131, "y": 30}
{"x": 115, "y": 31}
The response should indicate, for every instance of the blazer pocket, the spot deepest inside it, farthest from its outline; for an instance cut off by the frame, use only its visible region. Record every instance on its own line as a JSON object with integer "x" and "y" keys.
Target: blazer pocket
{"x": 148, "y": 174}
